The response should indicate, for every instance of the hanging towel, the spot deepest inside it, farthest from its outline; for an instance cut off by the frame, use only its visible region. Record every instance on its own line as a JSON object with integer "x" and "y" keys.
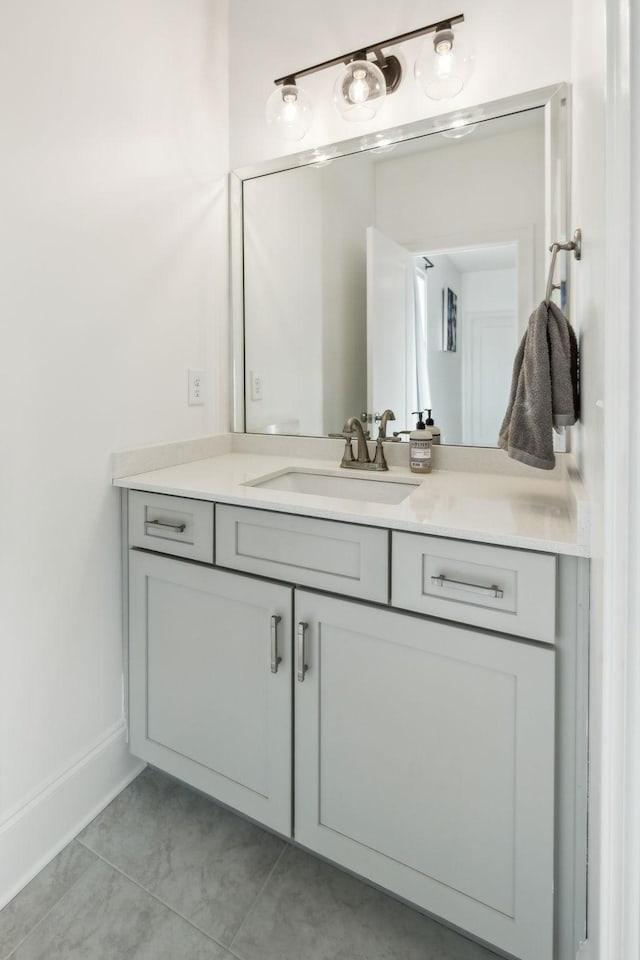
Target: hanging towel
{"x": 544, "y": 388}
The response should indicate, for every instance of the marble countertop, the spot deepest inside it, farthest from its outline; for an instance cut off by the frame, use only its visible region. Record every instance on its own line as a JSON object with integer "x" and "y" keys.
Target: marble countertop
{"x": 516, "y": 511}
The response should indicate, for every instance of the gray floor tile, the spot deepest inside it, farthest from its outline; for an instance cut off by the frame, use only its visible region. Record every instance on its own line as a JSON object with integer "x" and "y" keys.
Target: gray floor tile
{"x": 198, "y": 858}
{"x": 107, "y": 917}
{"x": 39, "y": 896}
{"x": 313, "y": 911}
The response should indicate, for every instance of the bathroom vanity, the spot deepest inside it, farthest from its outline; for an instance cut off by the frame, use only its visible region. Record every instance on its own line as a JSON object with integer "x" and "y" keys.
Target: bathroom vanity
{"x": 395, "y": 680}
{"x": 392, "y": 674}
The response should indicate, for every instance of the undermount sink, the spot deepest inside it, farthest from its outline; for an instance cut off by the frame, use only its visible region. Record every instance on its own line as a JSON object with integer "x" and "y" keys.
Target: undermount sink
{"x": 343, "y": 486}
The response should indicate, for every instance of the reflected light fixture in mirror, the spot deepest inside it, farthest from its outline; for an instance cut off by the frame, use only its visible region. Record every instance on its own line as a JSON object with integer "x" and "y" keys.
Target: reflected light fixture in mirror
{"x": 369, "y": 76}
{"x": 462, "y": 125}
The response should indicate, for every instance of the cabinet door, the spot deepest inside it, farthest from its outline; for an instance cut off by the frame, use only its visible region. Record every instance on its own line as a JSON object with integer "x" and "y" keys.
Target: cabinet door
{"x": 206, "y": 704}
{"x": 425, "y": 762}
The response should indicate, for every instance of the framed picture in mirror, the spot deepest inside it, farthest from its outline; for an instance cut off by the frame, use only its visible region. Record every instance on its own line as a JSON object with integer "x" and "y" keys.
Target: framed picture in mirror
{"x": 449, "y": 320}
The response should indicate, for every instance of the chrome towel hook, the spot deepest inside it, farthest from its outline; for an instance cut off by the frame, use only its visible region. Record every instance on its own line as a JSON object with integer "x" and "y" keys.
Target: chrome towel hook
{"x": 575, "y": 245}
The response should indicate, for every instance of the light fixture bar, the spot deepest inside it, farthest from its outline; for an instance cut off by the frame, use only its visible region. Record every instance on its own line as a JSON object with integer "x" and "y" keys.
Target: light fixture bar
{"x": 361, "y": 52}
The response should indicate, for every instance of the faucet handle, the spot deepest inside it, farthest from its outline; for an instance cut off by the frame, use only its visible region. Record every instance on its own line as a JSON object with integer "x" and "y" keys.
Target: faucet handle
{"x": 347, "y": 456}
{"x": 379, "y": 458}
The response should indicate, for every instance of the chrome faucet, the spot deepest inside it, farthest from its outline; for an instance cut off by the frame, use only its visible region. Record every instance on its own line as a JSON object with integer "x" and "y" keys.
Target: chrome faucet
{"x": 363, "y": 461}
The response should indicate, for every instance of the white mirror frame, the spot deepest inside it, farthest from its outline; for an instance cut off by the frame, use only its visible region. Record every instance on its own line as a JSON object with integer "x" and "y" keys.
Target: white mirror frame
{"x": 554, "y": 99}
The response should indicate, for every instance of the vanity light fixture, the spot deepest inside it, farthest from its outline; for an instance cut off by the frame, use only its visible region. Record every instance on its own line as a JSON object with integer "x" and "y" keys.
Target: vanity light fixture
{"x": 369, "y": 76}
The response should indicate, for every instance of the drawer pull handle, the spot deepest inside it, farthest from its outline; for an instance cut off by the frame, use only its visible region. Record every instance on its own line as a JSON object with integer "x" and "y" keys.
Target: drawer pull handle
{"x": 165, "y": 525}
{"x": 492, "y": 591}
{"x": 302, "y": 666}
{"x": 275, "y": 659}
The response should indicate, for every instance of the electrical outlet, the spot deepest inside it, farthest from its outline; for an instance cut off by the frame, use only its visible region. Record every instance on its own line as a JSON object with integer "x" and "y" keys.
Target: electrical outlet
{"x": 256, "y": 386}
{"x": 196, "y": 388}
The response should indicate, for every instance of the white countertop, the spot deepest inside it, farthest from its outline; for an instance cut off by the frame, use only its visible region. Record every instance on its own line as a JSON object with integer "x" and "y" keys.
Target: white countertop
{"x": 516, "y": 511}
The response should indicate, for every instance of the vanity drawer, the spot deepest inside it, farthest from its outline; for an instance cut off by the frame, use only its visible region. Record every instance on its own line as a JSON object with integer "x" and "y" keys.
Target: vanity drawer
{"x": 174, "y": 525}
{"x": 343, "y": 558}
{"x": 513, "y": 591}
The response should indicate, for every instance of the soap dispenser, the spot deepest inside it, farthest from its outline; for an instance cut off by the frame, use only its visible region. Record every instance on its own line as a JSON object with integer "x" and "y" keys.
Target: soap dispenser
{"x": 420, "y": 446}
{"x": 435, "y": 431}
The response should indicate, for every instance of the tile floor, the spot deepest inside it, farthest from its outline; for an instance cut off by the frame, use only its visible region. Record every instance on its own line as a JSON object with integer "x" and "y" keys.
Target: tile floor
{"x": 165, "y": 874}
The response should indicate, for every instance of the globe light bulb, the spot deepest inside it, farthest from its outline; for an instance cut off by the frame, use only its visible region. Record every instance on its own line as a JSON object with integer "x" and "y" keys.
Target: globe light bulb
{"x": 289, "y": 112}
{"x": 443, "y": 65}
{"x": 290, "y": 108}
{"x": 360, "y": 90}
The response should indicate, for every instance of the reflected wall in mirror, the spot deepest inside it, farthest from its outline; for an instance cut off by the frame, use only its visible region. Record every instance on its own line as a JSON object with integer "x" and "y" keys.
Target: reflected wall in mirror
{"x": 351, "y": 269}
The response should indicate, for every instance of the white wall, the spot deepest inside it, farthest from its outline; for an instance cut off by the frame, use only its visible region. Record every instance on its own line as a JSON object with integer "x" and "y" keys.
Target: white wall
{"x": 113, "y": 249}
{"x": 518, "y": 47}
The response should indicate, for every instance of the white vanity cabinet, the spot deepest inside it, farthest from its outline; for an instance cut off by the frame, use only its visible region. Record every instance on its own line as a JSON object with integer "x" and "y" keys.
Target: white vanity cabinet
{"x": 424, "y": 761}
{"x": 210, "y": 682}
{"x": 434, "y": 687}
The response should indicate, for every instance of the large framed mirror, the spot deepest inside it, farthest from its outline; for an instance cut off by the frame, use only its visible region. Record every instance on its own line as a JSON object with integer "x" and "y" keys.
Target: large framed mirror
{"x": 397, "y": 270}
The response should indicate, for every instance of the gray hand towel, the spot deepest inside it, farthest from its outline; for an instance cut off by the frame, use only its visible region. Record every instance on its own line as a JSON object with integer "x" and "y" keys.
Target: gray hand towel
{"x": 544, "y": 388}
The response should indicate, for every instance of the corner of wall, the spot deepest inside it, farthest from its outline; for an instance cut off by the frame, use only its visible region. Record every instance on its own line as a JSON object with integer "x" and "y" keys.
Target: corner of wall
{"x": 33, "y": 834}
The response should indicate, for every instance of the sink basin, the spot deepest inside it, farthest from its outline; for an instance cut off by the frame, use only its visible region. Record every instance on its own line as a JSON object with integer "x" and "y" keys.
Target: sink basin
{"x": 345, "y": 486}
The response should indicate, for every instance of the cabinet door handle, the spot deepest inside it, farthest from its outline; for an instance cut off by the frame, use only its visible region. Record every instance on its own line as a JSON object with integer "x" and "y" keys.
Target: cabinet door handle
{"x": 165, "y": 525}
{"x": 275, "y": 659}
{"x": 302, "y": 666}
{"x": 492, "y": 591}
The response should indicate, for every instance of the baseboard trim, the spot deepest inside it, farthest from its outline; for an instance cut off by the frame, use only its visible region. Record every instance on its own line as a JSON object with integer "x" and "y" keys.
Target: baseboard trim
{"x": 34, "y": 833}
